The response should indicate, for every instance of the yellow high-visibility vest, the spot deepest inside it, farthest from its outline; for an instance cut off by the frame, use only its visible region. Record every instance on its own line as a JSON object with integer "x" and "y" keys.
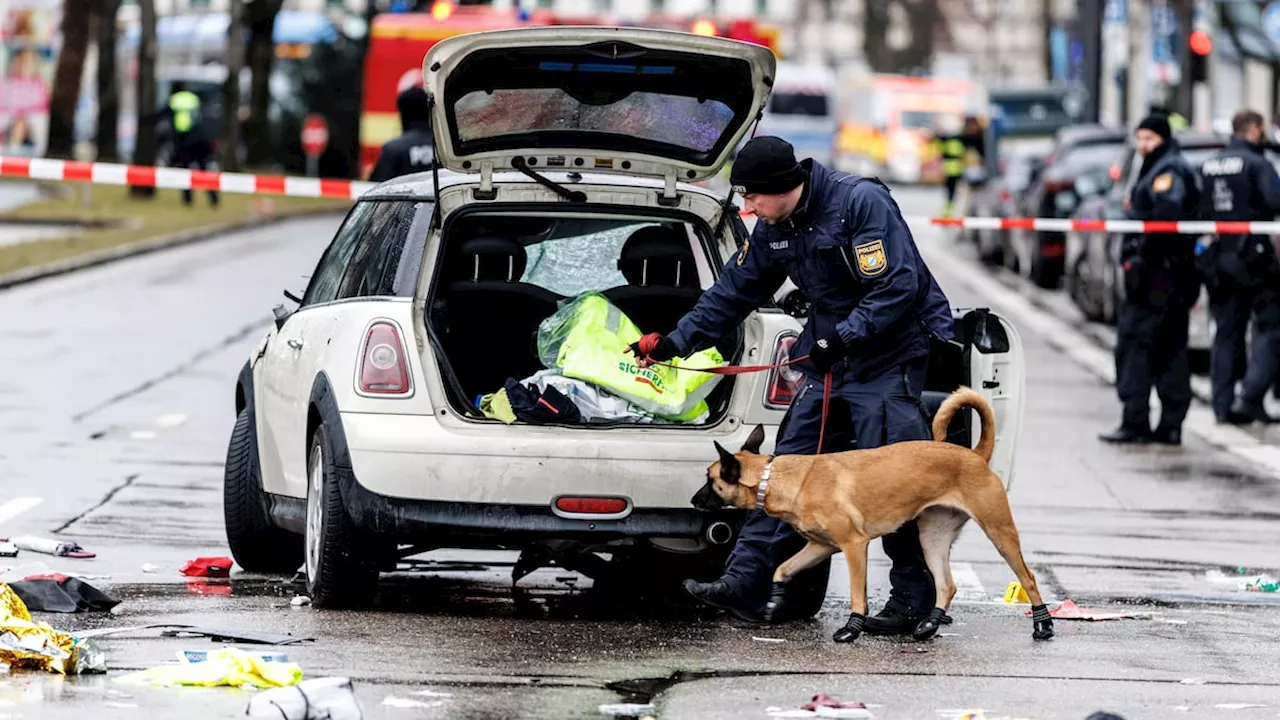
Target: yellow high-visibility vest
{"x": 185, "y": 106}
{"x": 587, "y": 339}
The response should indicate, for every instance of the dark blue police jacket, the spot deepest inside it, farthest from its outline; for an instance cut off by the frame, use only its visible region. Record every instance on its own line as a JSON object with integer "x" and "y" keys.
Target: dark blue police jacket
{"x": 848, "y": 248}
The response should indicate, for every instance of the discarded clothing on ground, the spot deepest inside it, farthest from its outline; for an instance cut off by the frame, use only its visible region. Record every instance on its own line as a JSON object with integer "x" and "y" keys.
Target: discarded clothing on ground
{"x": 27, "y": 644}
{"x": 48, "y": 546}
{"x": 588, "y": 339}
{"x": 231, "y": 667}
{"x": 218, "y": 567}
{"x": 56, "y": 592}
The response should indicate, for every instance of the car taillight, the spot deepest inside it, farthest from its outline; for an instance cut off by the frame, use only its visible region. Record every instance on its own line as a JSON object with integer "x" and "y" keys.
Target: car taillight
{"x": 384, "y": 370}
{"x": 785, "y": 382}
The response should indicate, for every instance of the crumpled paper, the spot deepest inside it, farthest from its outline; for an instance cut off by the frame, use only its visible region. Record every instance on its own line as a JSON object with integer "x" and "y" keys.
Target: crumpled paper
{"x": 226, "y": 667}
{"x": 27, "y": 644}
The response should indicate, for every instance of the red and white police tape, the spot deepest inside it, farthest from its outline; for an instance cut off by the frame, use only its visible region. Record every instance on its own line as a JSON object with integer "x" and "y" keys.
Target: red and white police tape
{"x": 179, "y": 179}
{"x": 242, "y": 183}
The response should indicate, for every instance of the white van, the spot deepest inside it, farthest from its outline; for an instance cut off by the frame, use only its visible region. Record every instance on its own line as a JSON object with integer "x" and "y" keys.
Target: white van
{"x": 802, "y": 111}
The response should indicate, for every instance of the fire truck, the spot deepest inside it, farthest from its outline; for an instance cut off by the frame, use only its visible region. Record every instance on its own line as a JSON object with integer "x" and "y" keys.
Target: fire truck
{"x": 398, "y": 42}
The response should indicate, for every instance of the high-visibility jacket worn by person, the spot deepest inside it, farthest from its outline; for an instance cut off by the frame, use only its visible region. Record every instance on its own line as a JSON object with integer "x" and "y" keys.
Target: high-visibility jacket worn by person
{"x": 185, "y": 107}
{"x": 587, "y": 339}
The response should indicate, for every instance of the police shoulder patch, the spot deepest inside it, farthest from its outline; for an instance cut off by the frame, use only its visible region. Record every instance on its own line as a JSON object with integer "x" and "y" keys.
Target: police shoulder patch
{"x": 742, "y": 254}
{"x": 871, "y": 258}
{"x": 1162, "y": 183}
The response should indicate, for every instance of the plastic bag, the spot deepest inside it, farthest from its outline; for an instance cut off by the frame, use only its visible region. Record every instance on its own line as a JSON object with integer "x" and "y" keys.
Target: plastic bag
{"x": 587, "y": 339}
{"x": 331, "y": 698}
{"x": 226, "y": 667}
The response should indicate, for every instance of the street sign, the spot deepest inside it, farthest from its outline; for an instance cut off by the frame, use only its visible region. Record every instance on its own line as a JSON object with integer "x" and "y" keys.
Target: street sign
{"x": 315, "y": 135}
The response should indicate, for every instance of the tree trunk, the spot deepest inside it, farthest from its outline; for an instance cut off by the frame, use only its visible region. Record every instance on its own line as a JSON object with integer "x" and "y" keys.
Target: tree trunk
{"x": 875, "y": 43}
{"x": 262, "y": 20}
{"x": 145, "y": 146}
{"x": 108, "y": 91}
{"x": 923, "y": 17}
{"x": 1184, "y": 10}
{"x": 77, "y": 17}
{"x": 229, "y": 143}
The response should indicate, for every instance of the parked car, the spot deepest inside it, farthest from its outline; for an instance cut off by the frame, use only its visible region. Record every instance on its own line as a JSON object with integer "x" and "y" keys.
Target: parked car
{"x": 1094, "y": 278}
{"x": 999, "y": 196}
{"x": 358, "y": 439}
{"x": 1038, "y": 254}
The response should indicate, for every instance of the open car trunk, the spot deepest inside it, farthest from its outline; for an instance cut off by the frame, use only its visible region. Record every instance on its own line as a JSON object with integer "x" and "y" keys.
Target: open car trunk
{"x": 500, "y": 276}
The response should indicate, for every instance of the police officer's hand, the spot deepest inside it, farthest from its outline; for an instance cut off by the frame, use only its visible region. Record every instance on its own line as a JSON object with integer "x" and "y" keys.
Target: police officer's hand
{"x": 826, "y": 352}
{"x": 654, "y": 346}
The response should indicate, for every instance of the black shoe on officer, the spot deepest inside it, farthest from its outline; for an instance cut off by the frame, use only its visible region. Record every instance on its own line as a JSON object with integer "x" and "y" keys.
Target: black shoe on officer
{"x": 1253, "y": 412}
{"x": 718, "y": 594}
{"x": 1125, "y": 436}
{"x": 891, "y": 621}
{"x": 1167, "y": 436}
{"x": 1234, "y": 418}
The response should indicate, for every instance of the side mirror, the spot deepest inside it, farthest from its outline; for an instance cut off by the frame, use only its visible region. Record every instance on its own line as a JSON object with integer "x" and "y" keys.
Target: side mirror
{"x": 281, "y": 314}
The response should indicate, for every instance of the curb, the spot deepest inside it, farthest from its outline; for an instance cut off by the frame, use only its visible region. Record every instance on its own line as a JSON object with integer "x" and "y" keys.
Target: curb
{"x": 164, "y": 242}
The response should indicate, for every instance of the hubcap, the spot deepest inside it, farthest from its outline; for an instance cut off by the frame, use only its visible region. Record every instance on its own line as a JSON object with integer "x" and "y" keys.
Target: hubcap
{"x": 315, "y": 491}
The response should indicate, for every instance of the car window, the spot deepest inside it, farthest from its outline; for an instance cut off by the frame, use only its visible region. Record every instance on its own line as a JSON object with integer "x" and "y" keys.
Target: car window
{"x": 581, "y": 257}
{"x": 333, "y": 264}
{"x": 372, "y": 268}
{"x": 1091, "y": 155}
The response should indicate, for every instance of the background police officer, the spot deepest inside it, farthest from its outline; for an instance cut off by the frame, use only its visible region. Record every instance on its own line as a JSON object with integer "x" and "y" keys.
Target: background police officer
{"x": 874, "y": 306}
{"x": 189, "y": 142}
{"x": 414, "y": 150}
{"x": 1241, "y": 184}
{"x": 1161, "y": 285}
{"x": 954, "y": 149}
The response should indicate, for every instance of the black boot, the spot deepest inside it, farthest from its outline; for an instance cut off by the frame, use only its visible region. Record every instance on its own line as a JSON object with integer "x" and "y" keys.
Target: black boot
{"x": 1253, "y": 411}
{"x": 890, "y": 621}
{"x": 1167, "y": 436}
{"x": 718, "y": 594}
{"x": 1125, "y": 436}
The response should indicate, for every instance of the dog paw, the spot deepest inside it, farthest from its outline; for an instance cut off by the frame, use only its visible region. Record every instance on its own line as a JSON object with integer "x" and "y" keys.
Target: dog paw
{"x": 1043, "y": 630}
{"x": 928, "y": 627}
{"x": 773, "y": 608}
{"x": 851, "y": 630}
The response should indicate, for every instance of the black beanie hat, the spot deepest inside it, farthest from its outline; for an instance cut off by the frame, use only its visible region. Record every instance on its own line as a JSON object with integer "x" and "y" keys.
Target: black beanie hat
{"x": 1158, "y": 124}
{"x": 766, "y": 165}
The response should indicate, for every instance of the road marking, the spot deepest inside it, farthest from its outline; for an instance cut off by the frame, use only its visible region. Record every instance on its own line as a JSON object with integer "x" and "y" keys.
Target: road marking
{"x": 171, "y": 420}
{"x": 143, "y": 435}
{"x": 1084, "y": 351}
{"x": 968, "y": 586}
{"x": 17, "y": 506}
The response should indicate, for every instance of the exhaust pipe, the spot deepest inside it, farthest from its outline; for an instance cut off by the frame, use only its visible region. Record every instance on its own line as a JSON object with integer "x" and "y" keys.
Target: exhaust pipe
{"x": 719, "y": 533}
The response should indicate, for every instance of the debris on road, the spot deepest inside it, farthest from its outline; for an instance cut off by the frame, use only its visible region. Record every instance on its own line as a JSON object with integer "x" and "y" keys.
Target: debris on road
{"x": 1241, "y": 581}
{"x": 768, "y": 639}
{"x": 409, "y": 703}
{"x": 49, "y": 546}
{"x": 627, "y": 710}
{"x": 300, "y": 600}
{"x": 329, "y": 698}
{"x": 196, "y": 656}
{"x": 223, "y": 635}
{"x": 32, "y": 645}
{"x": 150, "y": 568}
{"x": 823, "y": 705}
{"x": 55, "y": 592}
{"x": 231, "y": 667}
{"x": 215, "y": 567}
{"x": 1068, "y": 610}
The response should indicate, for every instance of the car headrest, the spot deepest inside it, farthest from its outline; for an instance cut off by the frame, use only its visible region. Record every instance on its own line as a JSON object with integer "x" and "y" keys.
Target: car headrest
{"x": 492, "y": 259}
{"x": 657, "y": 256}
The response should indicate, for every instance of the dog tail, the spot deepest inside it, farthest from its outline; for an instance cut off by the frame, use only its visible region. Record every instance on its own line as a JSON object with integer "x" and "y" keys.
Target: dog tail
{"x": 965, "y": 397}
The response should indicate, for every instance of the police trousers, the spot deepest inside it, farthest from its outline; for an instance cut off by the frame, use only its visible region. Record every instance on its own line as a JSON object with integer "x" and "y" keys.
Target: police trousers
{"x": 1230, "y": 307}
{"x": 1151, "y": 350}
{"x": 882, "y": 410}
{"x": 1264, "y": 359}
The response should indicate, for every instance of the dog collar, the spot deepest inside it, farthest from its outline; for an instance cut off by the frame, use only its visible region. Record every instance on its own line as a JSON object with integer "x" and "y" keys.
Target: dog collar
{"x": 763, "y": 487}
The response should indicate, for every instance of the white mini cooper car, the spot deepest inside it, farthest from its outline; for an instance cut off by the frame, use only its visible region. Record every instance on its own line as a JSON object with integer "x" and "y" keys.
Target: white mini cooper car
{"x": 569, "y": 157}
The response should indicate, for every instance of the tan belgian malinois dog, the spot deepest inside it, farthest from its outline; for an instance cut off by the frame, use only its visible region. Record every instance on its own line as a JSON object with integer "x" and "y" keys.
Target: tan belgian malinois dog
{"x": 843, "y": 501}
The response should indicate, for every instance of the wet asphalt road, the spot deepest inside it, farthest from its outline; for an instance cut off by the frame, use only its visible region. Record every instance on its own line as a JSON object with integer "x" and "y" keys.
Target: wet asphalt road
{"x": 114, "y": 412}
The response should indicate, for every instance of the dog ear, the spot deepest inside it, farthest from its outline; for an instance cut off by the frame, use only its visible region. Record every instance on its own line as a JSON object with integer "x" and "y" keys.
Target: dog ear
{"x": 754, "y": 441}
{"x": 730, "y": 468}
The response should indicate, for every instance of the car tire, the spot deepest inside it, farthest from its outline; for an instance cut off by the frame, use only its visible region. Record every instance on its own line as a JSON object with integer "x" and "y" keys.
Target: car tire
{"x": 340, "y": 560}
{"x": 256, "y": 544}
{"x": 1046, "y": 273}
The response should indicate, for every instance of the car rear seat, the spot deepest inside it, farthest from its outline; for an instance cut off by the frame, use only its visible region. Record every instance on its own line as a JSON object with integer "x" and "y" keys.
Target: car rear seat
{"x": 662, "y": 279}
{"x": 491, "y": 318}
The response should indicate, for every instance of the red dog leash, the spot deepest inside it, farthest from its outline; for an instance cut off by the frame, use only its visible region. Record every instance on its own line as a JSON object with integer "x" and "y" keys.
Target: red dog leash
{"x": 649, "y": 342}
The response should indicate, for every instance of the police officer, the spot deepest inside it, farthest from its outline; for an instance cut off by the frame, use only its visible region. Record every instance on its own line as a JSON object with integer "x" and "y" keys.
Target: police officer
{"x": 1161, "y": 284}
{"x": 874, "y": 305}
{"x": 1240, "y": 184}
{"x": 414, "y": 150}
{"x": 190, "y": 146}
{"x": 954, "y": 149}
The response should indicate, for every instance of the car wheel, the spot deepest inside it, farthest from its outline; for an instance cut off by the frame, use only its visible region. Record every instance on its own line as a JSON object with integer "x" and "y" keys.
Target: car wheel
{"x": 256, "y": 544}
{"x": 341, "y": 565}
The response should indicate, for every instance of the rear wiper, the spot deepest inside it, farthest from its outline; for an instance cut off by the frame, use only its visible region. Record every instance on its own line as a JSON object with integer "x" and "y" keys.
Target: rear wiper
{"x": 518, "y": 162}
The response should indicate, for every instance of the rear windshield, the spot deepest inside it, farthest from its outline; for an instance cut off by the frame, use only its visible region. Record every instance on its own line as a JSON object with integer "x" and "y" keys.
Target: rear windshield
{"x": 610, "y": 96}
{"x": 799, "y": 104}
